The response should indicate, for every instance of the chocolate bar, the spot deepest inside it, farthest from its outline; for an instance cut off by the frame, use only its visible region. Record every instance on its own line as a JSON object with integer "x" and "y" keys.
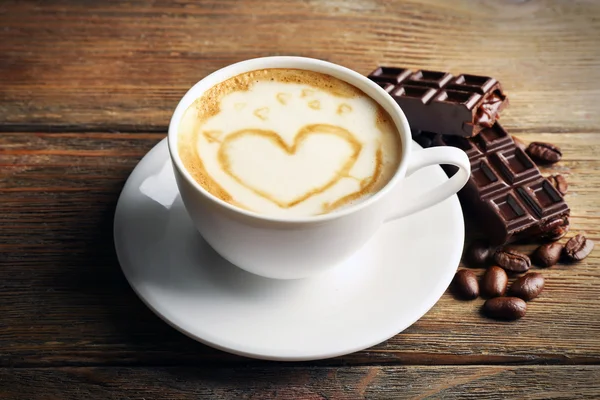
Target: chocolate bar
{"x": 506, "y": 191}
{"x": 439, "y": 102}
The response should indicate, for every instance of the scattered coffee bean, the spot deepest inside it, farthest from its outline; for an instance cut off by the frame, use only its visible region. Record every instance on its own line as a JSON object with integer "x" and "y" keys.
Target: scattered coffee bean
{"x": 494, "y": 282}
{"x": 512, "y": 260}
{"x": 478, "y": 254}
{"x": 547, "y": 255}
{"x": 559, "y": 182}
{"x": 528, "y": 287}
{"x": 545, "y": 153}
{"x": 506, "y": 308}
{"x": 520, "y": 144}
{"x": 554, "y": 229}
{"x": 578, "y": 248}
{"x": 557, "y": 233}
{"x": 465, "y": 284}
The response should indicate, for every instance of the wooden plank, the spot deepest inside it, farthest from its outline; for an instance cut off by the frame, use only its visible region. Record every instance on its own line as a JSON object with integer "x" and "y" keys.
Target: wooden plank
{"x": 64, "y": 300}
{"x": 276, "y": 381}
{"x": 124, "y": 65}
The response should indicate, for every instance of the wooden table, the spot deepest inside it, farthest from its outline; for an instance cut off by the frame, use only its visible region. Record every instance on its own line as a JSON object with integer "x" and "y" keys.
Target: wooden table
{"x": 87, "y": 88}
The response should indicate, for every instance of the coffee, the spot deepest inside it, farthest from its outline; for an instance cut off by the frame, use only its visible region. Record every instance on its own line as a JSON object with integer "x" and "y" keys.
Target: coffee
{"x": 528, "y": 287}
{"x": 548, "y": 254}
{"x": 512, "y": 260}
{"x": 494, "y": 282}
{"x": 465, "y": 284}
{"x": 505, "y": 308}
{"x": 288, "y": 142}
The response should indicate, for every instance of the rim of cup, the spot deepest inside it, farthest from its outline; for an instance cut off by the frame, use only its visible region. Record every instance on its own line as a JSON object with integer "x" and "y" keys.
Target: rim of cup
{"x": 357, "y": 80}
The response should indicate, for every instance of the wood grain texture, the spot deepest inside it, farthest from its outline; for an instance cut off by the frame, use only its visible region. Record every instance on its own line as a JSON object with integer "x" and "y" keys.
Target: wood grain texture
{"x": 88, "y": 87}
{"x": 542, "y": 382}
{"x": 125, "y": 64}
{"x": 64, "y": 300}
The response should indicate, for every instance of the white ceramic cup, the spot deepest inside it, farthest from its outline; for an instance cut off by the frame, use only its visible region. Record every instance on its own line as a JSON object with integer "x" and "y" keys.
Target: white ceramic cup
{"x": 291, "y": 248}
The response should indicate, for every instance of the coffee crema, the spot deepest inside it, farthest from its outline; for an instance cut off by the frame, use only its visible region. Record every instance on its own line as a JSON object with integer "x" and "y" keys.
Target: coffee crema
{"x": 288, "y": 142}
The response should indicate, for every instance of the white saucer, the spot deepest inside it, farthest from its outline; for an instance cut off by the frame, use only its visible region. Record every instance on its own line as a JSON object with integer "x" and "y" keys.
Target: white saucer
{"x": 388, "y": 285}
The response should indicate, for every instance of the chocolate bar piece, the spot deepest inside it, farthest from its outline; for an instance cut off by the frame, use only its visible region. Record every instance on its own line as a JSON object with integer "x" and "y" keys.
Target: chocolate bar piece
{"x": 506, "y": 191}
{"x": 439, "y": 102}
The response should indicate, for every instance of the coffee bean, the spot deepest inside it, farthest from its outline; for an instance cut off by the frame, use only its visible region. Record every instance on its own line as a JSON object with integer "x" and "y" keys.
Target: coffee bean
{"x": 506, "y": 308}
{"x": 520, "y": 144}
{"x": 557, "y": 233}
{"x": 478, "y": 254}
{"x": 549, "y": 227}
{"x": 547, "y": 255}
{"x": 465, "y": 284}
{"x": 528, "y": 287}
{"x": 578, "y": 248}
{"x": 559, "y": 182}
{"x": 494, "y": 282}
{"x": 545, "y": 153}
{"x": 512, "y": 260}
{"x": 554, "y": 229}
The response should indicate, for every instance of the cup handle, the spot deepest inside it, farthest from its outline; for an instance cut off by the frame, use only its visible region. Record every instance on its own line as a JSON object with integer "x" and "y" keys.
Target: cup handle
{"x": 433, "y": 156}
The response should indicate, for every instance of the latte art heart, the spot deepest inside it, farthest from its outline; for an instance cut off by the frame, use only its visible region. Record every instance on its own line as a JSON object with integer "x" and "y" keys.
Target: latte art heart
{"x": 303, "y": 144}
{"x": 288, "y": 175}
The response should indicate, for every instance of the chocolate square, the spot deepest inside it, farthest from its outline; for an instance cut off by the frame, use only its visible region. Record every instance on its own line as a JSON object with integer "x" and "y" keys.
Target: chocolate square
{"x": 466, "y": 99}
{"x": 433, "y": 79}
{"x": 390, "y": 74}
{"x": 514, "y": 164}
{"x": 423, "y": 94}
{"x": 473, "y": 83}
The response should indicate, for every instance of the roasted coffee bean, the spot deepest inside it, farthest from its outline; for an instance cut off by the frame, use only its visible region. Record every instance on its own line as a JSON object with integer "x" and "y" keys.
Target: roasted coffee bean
{"x": 554, "y": 229}
{"x": 547, "y": 255}
{"x": 528, "y": 287}
{"x": 465, "y": 284}
{"x": 578, "y": 248}
{"x": 545, "y": 153}
{"x": 520, "y": 144}
{"x": 549, "y": 227}
{"x": 512, "y": 260}
{"x": 557, "y": 233}
{"x": 494, "y": 282}
{"x": 506, "y": 308}
{"x": 478, "y": 254}
{"x": 559, "y": 182}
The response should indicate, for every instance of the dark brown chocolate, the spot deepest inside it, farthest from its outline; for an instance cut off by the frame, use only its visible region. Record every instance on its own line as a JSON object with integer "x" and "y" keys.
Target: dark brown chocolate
{"x": 439, "y": 102}
{"x": 506, "y": 191}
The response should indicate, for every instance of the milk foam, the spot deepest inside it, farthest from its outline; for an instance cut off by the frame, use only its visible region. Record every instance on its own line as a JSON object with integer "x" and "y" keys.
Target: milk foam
{"x": 280, "y": 145}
